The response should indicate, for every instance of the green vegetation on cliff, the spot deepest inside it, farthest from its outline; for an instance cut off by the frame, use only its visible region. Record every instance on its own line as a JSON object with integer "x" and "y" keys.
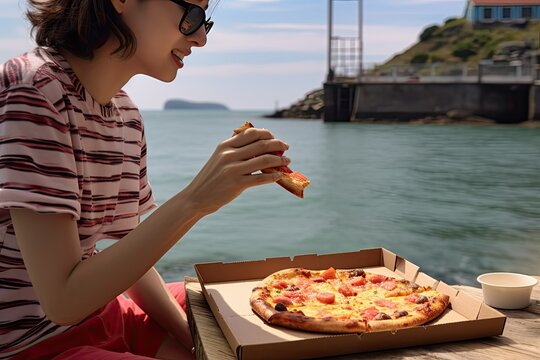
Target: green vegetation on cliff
{"x": 457, "y": 41}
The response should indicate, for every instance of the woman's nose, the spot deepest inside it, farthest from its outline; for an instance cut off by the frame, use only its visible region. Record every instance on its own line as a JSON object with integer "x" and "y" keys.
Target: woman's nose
{"x": 198, "y": 37}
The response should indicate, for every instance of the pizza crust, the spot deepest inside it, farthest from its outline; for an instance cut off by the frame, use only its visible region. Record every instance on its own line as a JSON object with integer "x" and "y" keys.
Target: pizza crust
{"x": 326, "y": 325}
{"x": 260, "y": 305}
{"x": 294, "y": 183}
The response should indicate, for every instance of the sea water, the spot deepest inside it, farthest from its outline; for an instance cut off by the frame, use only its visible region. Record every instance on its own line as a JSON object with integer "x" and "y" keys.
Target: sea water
{"x": 456, "y": 200}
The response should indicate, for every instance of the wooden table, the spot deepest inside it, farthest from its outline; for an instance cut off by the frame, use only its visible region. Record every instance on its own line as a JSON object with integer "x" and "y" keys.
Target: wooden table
{"x": 520, "y": 340}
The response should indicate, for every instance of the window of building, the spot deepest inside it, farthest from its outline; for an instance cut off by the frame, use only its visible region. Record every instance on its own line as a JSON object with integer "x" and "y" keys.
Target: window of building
{"x": 488, "y": 13}
{"x": 506, "y": 13}
{"x": 526, "y": 12}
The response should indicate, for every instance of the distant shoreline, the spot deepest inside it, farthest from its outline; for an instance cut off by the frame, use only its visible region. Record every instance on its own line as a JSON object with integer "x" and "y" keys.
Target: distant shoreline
{"x": 431, "y": 120}
{"x": 180, "y": 104}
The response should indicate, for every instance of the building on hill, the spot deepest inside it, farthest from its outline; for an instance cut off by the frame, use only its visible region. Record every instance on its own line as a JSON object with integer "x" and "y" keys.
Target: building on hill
{"x": 502, "y": 11}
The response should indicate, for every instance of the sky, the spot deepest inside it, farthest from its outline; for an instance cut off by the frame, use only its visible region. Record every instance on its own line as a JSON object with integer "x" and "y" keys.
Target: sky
{"x": 265, "y": 54}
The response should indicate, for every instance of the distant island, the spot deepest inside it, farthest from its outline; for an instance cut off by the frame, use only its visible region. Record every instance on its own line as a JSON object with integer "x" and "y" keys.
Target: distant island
{"x": 177, "y": 104}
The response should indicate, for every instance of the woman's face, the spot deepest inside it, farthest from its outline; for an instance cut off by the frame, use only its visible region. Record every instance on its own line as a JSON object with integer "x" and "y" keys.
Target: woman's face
{"x": 161, "y": 47}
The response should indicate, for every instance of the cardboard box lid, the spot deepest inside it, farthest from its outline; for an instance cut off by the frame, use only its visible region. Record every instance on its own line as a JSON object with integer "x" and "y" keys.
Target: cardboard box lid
{"x": 227, "y": 288}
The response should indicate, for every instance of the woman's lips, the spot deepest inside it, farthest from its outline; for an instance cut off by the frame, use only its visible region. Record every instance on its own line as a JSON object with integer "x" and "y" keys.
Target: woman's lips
{"x": 177, "y": 60}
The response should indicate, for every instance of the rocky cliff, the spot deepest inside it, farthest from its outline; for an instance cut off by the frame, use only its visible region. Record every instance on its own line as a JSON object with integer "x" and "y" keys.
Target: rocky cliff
{"x": 310, "y": 107}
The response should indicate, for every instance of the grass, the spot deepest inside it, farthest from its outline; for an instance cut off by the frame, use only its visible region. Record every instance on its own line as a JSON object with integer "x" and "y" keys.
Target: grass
{"x": 457, "y": 41}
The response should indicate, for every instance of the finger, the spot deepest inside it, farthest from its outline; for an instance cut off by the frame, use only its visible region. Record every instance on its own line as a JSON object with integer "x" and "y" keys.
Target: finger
{"x": 261, "y": 162}
{"x": 261, "y": 179}
{"x": 261, "y": 147}
{"x": 249, "y": 136}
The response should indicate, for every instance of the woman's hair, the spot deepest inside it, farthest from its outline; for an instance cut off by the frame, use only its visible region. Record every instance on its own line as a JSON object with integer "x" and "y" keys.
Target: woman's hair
{"x": 79, "y": 26}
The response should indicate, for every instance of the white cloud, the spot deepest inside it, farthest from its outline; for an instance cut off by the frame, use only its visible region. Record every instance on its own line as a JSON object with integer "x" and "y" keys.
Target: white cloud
{"x": 230, "y": 41}
{"x": 243, "y": 69}
{"x": 285, "y": 26}
{"x": 308, "y": 39}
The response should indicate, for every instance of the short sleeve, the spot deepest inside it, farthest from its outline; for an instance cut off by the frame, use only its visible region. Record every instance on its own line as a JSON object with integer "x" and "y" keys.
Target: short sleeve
{"x": 146, "y": 197}
{"x": 38, "y": 169}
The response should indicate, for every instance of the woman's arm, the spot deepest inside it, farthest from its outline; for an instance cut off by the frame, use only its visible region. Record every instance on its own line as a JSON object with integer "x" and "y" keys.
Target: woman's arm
{"x": 70, "y": 289}
{"x": 151, "y": 294}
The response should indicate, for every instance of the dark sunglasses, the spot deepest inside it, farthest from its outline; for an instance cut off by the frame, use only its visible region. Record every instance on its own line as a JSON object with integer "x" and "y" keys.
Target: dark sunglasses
{"x": 194, "y": 17}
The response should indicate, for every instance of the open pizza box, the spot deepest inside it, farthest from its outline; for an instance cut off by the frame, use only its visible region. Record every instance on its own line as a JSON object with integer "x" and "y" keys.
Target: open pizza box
{"x": 227, "y": 288}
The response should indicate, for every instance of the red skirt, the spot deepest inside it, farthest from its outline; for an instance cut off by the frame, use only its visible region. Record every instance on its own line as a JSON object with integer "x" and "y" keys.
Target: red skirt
{"x": 120, "y": 331}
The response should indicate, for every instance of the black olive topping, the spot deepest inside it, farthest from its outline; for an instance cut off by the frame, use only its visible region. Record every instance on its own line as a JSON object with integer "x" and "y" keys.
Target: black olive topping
{"x": 400, "y": 313}
{"x": 292, "y": 288}
{"x": 357, "y": 272}
{"x": 382, "y": 316}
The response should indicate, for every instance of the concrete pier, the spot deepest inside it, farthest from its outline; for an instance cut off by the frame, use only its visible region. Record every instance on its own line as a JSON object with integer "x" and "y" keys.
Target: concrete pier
{"x": 503, "y": 102}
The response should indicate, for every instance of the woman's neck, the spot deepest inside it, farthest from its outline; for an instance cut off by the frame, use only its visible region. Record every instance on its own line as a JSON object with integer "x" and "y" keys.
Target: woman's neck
{"x": 103, "y": 76}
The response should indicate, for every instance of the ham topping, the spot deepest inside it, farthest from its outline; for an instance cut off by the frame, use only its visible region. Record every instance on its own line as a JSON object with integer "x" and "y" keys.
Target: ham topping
{"x": 369, "y": 313}
{"x": 357, "y": 281}
{"x": 326, "y": 297}
{"x": 282, "y": 299}
{"x": 389, "y": 285}
{"x": 385, "y": 303}
{"x": 346, "y": 290}
{"x": 377, "y": 279}
{"x": 329, "y": 274}
{"x": 279, "y": 284}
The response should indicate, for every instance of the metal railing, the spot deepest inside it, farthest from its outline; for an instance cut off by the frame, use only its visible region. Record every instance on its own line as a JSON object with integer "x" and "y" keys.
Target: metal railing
{"x": 511, "y": 72}
{"x": 345, "y": 56}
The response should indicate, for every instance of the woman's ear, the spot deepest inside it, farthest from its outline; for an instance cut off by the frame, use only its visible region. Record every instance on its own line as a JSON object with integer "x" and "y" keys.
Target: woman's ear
{"x": 119, "y": 5}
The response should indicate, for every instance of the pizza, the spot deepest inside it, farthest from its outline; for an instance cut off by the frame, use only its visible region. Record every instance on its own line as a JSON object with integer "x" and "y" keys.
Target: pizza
{"x": 293, "y": 181}
{"x": 344, "y": 301}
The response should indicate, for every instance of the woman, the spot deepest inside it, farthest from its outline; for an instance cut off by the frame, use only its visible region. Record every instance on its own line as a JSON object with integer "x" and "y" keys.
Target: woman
{"x": 73, "y": 171}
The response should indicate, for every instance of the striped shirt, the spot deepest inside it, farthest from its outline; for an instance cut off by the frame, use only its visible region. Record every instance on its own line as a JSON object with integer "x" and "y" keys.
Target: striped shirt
{"x": 61, "y": 152}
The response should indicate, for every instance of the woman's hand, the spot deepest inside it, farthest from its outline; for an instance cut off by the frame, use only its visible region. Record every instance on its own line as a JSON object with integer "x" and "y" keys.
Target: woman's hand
{"x": 232, "y": 169}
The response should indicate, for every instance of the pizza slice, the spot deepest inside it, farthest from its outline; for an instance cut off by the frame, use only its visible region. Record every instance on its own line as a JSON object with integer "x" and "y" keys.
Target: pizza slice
{"x": 293, "y": 181}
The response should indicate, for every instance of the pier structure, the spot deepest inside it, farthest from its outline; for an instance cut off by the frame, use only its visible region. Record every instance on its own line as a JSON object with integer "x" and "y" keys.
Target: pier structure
{"x": 345, "y": 49}
{"x": 507, "y": 92}
{"x": 345, "y": 64}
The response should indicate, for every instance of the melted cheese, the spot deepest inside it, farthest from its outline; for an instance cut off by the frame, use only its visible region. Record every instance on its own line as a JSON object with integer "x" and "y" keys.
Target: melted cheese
{"x": 369, "y": 296}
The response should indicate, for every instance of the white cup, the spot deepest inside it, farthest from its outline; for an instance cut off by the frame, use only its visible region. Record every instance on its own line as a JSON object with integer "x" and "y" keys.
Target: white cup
{"x": 507, "y": 290}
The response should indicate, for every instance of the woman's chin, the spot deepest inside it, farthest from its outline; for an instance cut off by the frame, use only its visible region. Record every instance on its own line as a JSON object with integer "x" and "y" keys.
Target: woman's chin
{"x": 165, "y": 77}
{"x": 169, "y": 78}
